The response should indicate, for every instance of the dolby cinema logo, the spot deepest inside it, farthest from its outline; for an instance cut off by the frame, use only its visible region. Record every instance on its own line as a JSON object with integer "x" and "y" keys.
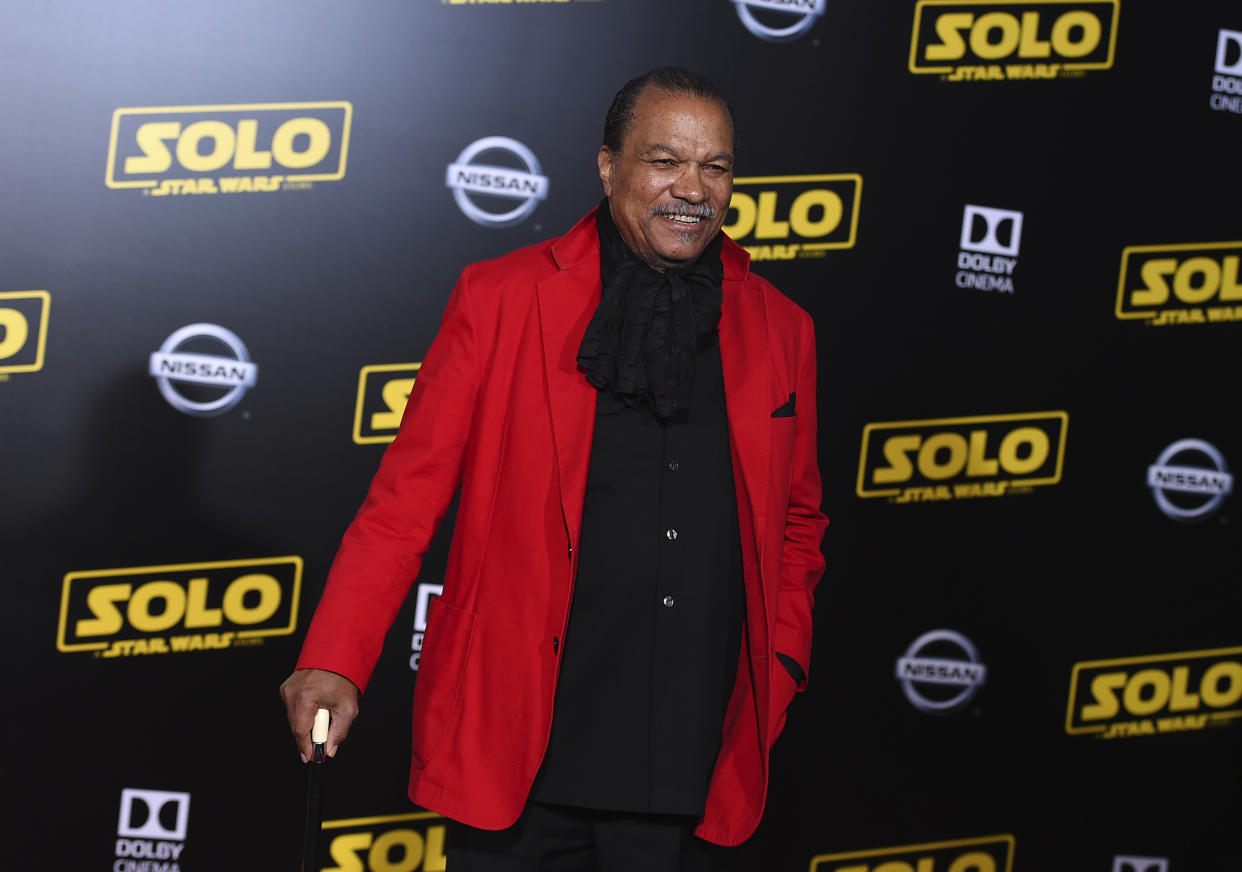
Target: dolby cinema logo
{"x": 1227, "y": 83}
{"x": 203, "y": 370}
{"x": 152, "y": 827}
{"x": 941, "y": 672}
{"x": 779, "y": 20}
{"x": 1190, "y": 480}
{"x": 989, "y": 248}
{"x": 497, "y": 181}
{"x": 423, "y": 606}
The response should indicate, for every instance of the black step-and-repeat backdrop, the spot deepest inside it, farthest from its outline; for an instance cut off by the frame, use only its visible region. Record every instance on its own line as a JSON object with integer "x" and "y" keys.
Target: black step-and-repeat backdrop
{"x": 228, "y": 231}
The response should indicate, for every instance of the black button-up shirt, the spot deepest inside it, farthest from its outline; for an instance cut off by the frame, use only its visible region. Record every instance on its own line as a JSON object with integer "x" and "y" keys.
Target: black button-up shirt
{"x": 655, "y": 628}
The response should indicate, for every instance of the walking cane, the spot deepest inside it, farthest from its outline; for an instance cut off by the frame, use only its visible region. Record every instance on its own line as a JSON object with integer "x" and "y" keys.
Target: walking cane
{"x": 314, "y": 790}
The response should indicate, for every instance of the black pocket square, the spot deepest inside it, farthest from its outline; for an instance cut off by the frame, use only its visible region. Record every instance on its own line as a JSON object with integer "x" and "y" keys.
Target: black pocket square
{"x": 787, "y": 410}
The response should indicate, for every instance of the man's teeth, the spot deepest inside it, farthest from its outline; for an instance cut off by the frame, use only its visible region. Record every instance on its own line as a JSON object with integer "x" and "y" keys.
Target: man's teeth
{"x": 684, "y": 219}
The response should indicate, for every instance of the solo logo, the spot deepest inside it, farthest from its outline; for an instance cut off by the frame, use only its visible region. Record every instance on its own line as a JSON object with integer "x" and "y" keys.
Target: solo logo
{"x": 1185, "y": 490}
{"x": 181, "y": 607}
{"x": 425, "y": 593}
{"x": 989, "y": 248}
{"x": 1122, "y": 863}
{"x": 23, "y": 330}
{"x": 779, "y": 20}
{"x": 383, "y": 390}
{"x": 1195, "y": 283}
{"x": 390, "y": 843}
{"x": 982, "y": 854}
{"x": 497, "y": 185}
{"x": 1038, "y": 39}
{"x": 783, "y": 217}
{"x": 961, "y": 458}
{"x": 941, "y": 672}
{"x": 1162, "y": 693}
{"x": 229, "y": 149}
{"x": 203, "y": 384}
{"x": 152, "y": 826}
{"x": 1228, "y": 78}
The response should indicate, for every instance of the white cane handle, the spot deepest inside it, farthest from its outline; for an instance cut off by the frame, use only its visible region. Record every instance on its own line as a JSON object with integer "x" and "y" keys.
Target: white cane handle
{"x": 319, "y": 732}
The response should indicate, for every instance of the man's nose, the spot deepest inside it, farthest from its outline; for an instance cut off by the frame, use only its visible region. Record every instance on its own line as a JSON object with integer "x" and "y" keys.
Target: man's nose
{"x": 688, "y": 185}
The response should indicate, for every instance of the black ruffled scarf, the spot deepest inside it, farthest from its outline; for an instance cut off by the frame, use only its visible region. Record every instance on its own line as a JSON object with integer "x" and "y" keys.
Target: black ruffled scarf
{"x": 641, "y": 342}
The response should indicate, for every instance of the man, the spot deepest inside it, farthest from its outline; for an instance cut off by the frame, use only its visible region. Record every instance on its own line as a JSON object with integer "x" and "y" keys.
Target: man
{"x": 630, "y": 417}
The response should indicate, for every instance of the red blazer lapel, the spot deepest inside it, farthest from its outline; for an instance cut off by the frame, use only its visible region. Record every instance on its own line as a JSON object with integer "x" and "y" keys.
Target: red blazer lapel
{"x": 567, "y": 300}
{"x": 746, "y": 364}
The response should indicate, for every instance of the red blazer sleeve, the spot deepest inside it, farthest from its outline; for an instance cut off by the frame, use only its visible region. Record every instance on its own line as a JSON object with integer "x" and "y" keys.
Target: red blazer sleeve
{"x": 382, "y": 550}
{"x": 802, "y": 561}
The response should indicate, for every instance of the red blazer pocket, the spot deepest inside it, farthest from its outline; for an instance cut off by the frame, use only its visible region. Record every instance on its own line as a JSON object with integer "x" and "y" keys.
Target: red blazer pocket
{"x": 441, "y": 667}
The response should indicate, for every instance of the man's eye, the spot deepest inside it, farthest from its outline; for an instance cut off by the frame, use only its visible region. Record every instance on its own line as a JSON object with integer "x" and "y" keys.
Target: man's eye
{"x": 664, "y": 162}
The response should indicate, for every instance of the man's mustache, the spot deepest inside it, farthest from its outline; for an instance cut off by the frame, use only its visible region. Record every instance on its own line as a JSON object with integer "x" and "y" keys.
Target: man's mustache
{"x": 686, "y": 210}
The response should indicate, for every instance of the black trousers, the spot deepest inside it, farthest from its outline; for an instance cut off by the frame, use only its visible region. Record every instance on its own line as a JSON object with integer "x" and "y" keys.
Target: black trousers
{"x": 556, "y": 838}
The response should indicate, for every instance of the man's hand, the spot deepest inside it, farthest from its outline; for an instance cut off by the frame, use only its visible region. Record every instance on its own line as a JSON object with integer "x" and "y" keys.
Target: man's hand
{"x": 308, "y": 690}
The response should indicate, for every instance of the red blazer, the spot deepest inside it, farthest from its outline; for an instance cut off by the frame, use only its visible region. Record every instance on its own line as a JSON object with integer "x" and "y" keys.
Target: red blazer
{"x": 501, "y": 410}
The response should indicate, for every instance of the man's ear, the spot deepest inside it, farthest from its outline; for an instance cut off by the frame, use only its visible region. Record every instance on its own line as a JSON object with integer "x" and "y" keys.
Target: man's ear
{"x": 605, "y": 169}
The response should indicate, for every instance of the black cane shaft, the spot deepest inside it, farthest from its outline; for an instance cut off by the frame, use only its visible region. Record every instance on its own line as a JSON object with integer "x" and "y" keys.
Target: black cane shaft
{"x": 314, "y": 822}
{"x": 314, "y": 794}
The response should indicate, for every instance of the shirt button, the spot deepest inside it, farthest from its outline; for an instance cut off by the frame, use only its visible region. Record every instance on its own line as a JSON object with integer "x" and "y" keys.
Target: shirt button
{"x": 671, "y": 534}
{"x": 669, "y": 601}
{"x": 673, "y": 464}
